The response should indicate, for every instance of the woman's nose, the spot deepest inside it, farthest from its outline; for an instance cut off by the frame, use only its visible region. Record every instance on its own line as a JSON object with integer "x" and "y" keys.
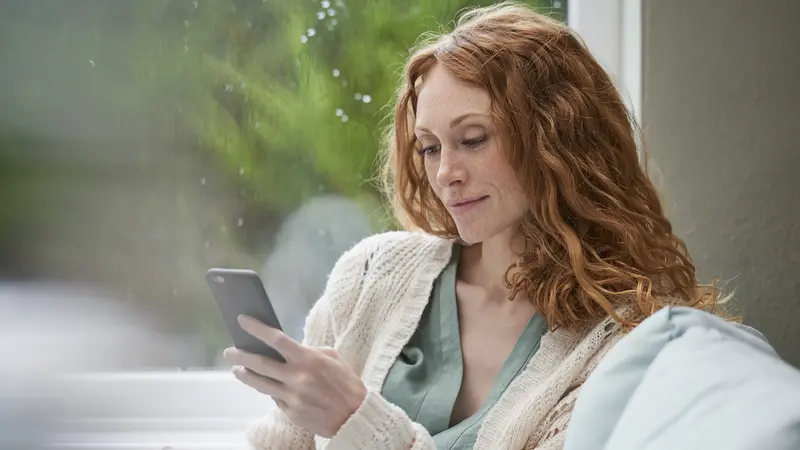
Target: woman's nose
{"x": 451, "y": 168}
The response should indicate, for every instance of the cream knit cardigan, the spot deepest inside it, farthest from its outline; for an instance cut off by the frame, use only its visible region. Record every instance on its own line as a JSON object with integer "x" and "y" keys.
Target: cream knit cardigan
{"x": 370, "y": 308}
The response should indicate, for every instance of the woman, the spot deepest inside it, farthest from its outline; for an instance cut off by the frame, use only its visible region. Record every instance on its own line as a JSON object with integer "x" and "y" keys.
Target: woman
{"x": 539, "y": 240}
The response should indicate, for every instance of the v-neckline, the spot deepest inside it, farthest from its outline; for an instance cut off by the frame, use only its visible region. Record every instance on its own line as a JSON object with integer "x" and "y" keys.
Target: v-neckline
{"x": 516, "y": 361}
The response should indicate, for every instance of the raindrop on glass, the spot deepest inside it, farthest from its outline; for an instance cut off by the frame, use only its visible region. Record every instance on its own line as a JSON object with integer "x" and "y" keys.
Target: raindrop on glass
{"x": 186, "y": 23}
{"x": 336, "y": 72}
{"x": 366, "y": 98}
{"x": 331, "y": 12}
{"x": 304, "y": 39}
{"x": 185, "y": 48}
{"x": 242, "y": 85}
{"x": 345, "y": 118}
{"x": 326, "y": 4}
{"x": 249, "y": 24}
{"x": 339, "y": 112}
{"x": 241, "y": 170}
{"x": 229, "y": 88}
{"x": 202, "y": 181}
{"x": 556, "y": 4}
{"x": 240, "y": 222}
{"x": 320, "y": 188}
{"x": 344, "y": 82}
{"x": 91, "y": 63}
{"x": 258, "y": 125}
{"x": 358, "y": 96}
{"x": 334, "y": 22}
{"x": 320, "y": 15}
{"x": 195, "y": 3}
{"x": 311, "y": 32}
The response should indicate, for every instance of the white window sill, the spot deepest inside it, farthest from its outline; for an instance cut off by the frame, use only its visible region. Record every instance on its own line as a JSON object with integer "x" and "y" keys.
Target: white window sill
{"x": 156, "y": 410}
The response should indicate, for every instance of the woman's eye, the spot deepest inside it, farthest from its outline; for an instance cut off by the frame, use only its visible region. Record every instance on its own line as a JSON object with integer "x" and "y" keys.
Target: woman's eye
{"x": 430, "y": 150}
{"x": 472, "y": 143}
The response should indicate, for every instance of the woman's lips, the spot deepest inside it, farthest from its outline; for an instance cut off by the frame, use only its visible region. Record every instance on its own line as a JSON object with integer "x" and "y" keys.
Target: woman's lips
{"x": 466, "y": 205}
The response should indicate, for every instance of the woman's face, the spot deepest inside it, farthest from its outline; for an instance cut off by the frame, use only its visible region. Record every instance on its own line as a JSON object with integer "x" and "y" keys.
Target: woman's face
{"x": 464, "y": 161}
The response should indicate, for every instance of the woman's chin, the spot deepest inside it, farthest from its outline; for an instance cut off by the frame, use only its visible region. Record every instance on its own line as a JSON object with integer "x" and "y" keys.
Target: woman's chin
{"x": 470, "y": 237}
{"x": 477, "y": 233}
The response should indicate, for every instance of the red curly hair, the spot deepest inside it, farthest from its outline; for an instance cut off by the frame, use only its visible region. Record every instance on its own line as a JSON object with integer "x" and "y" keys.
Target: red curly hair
{"x": 597, "y": 237}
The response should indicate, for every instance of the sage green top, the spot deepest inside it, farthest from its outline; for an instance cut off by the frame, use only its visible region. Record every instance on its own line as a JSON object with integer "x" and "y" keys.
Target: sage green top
{"x": 426, "y": 377}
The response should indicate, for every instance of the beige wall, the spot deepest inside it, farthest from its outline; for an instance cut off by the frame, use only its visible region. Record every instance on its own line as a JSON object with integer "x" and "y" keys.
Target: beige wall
{"x": 721, "y": 110}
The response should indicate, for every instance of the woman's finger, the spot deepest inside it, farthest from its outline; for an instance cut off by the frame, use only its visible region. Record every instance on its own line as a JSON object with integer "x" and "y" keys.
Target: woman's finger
{"x": 329, "y": 352}
{"x": 259, "y": 364}
{"x": 267, "y": 386}
{"x": 273, "y": 337}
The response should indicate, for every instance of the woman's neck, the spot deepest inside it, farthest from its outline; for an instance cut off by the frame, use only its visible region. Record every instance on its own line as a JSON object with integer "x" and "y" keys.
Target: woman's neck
{"x": 485, "y": 263}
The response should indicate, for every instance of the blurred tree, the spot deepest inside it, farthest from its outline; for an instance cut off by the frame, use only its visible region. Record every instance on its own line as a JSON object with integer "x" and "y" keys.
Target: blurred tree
{"x": 289, "y": 95}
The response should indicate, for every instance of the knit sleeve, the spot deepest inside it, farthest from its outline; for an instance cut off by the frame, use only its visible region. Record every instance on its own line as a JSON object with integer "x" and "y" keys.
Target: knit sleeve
{"x": 276, "y": 431}
{"x": 380, "y": 424}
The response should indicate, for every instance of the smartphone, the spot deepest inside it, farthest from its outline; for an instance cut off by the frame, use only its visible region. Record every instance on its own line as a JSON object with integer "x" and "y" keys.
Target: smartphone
{"x": 237, "y": 292}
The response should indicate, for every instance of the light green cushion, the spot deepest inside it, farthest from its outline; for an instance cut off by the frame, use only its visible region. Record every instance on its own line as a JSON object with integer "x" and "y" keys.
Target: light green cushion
{"x": 688, "y": 380}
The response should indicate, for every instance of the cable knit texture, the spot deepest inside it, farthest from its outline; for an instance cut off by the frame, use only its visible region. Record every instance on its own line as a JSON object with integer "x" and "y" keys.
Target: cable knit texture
{"x": 372, "y": 304}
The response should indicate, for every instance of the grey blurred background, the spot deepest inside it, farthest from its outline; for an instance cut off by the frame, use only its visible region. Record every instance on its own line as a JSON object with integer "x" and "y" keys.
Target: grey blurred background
{"x": 721, "y": 111}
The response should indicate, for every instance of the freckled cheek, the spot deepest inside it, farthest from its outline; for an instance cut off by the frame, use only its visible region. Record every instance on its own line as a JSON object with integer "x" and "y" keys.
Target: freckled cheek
{"x": 431, "y": 170}
{"x": 497, "y": 178}
{"x": 509, "y": 193}
{"x": 437, "y": 190}
{"x": 502, "y": 175}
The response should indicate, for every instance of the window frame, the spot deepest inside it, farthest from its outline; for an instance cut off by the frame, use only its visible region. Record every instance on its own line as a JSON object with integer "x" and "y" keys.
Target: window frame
{"x": 612, "y": 30}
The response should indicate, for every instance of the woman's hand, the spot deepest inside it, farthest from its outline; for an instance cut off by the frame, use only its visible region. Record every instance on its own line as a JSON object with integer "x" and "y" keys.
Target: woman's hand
{"x": 314, "y": 387}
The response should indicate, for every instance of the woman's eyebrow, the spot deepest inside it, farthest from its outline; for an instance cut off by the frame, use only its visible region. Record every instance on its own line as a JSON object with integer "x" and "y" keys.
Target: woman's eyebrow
{"x": 455, "y": 122}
